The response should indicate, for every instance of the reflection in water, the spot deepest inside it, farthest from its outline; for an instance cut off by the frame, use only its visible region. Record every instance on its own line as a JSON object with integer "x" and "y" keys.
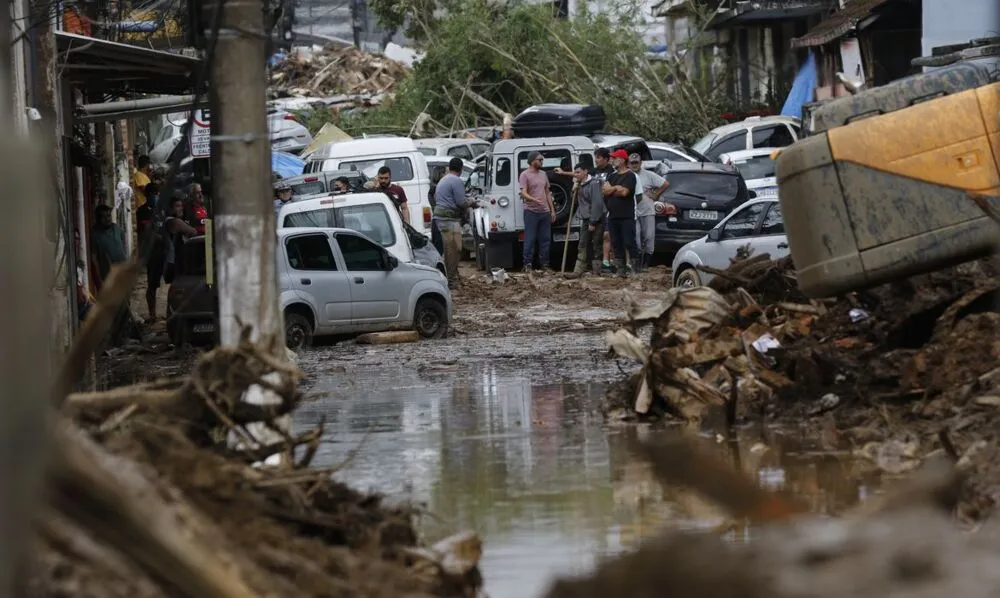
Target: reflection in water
{"x": 535, "y": 470}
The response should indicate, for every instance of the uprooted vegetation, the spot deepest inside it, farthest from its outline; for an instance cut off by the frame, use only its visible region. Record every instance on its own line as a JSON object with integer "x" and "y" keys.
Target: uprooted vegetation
{"x": 894, "y": 373}
{"x": 155, "y": 492}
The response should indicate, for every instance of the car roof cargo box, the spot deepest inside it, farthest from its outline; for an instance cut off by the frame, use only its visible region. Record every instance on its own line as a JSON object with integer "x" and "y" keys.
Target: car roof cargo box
{"x": 559, "y": 120}
{"x": 896, "y": 96}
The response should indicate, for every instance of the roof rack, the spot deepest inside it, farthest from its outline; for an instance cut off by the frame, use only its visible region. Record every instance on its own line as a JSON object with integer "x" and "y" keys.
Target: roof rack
{"x": 984, "y": 47}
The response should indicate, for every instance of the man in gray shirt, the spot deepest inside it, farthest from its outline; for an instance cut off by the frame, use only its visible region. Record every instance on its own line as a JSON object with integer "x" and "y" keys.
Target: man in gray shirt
{"x": 590, "y": 207}
{"x": 450, "y": 204}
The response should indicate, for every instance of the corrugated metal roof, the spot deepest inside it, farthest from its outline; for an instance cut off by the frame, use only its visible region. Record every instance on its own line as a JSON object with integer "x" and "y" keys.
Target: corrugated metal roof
{"x": 839, "y": 23}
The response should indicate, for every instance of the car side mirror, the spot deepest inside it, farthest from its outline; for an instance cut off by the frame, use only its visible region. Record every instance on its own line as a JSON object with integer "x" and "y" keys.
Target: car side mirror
{"x": 752, "y": 194}
{"x": 714, "y": 235}
{"x": 392, "y": 261}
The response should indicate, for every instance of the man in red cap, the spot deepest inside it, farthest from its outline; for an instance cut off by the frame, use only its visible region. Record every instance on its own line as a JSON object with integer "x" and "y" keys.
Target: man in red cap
{"x": 622, "y": 192}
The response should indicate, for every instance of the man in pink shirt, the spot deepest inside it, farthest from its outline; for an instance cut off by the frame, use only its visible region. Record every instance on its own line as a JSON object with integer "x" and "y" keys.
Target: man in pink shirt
{"x": 539, "y": 212}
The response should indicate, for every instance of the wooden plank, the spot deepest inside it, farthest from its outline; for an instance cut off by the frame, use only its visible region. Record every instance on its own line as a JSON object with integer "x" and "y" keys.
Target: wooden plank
{"x": 388, "y": 338}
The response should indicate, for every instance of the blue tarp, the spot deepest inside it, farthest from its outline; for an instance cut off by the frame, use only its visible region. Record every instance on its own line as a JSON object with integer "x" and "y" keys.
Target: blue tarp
{"x": 802, "y": 88}
{"x": 287, "y": 165}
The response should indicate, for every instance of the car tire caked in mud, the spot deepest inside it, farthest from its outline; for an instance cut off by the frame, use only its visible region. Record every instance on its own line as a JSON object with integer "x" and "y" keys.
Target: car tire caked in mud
{"x": 298, "y": 331}
{"x": 430, "y": 318}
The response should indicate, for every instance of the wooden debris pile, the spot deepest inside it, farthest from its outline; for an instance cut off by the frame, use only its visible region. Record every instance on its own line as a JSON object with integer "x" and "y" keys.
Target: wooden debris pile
{"x": 750, "y": 342}
{"x": 336, "y": 71}
{"x": 160, "y": 489}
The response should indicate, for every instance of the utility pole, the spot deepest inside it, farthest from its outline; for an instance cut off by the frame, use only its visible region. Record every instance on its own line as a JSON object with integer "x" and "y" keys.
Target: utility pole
{"x": 243, "y": 219}
{"x": 243, "y": 224}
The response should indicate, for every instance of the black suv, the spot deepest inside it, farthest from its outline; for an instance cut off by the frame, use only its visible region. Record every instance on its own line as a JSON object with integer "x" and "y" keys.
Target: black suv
{"x": 703, "y": 193}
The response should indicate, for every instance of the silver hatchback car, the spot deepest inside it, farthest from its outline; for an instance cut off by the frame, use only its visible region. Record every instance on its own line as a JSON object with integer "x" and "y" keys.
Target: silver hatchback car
{"x": 338, "y": 281}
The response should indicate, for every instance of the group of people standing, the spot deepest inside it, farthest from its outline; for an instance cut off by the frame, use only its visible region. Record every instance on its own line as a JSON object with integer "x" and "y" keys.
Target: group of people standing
{"x": 615, "y": 199}
{"x": 163, "y": 224}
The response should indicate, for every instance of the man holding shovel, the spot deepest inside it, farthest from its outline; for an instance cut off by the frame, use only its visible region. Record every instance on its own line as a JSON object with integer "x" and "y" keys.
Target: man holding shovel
{"x": 590, "y": 207}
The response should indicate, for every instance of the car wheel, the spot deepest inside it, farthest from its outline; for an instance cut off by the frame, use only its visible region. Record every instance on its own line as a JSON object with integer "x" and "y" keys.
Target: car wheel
{"x": 430, "y": 319}
{"x": 298, "y": 332}
{"x": 687, "y": 278}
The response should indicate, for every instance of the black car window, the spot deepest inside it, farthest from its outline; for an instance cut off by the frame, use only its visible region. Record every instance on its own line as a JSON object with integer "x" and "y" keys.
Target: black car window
{"x": 732, "y": 143}
{"x": 772, "y": 136}
{"x": 773, "y": 224}
{"x": 401, "y": 168}
{"x": 372, "y": 220}
{"x": 460, "y": 151}
{"x": 503, "y": 172}
{"x": 743, "y": 222}
{"x": 551, "y": 159}
{"x": 310, "y": 252}
{"x": 360, "y": 254}
{"x": 715, "y": 186}
{"x": 660, "y": 154}
{"x": 308, "y": 188}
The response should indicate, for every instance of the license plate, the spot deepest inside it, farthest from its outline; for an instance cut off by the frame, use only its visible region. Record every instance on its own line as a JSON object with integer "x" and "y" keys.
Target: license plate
{"x": 203, "y": 328}
{"x": 562, "y": 238}
{"x": 702, "y": 215}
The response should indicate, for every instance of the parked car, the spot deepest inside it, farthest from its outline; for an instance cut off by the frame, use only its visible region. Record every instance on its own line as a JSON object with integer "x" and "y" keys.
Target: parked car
{"x": 372, "y": 214}
{"x": 703, "y": 193}
{"x": 337, "y": 281}
{"x": 316, "y": 183}
{"x": 673, "y": 152}
{"x": 450, "y": 147}
{"x": 757, "y": 224}
{"x": 752, "y": 133}
{"x": 408, "y": 166}
{"x": 332, "y": 281}
{"x": 286, "y": 133}
{"x": 757, "y": 167}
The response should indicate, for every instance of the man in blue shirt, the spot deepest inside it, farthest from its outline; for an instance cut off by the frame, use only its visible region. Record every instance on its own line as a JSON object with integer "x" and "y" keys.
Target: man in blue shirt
{"x": 449, "y": 205}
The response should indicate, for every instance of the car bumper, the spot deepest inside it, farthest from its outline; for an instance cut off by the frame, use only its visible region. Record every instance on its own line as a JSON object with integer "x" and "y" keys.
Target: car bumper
{"x": 673, "y": 239}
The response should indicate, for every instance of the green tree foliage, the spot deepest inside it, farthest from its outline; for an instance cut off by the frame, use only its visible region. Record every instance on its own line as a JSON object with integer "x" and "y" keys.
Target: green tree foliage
{"x": 517, "y": 55}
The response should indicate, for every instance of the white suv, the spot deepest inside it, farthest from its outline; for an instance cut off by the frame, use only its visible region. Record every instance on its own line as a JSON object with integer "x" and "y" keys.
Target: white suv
{"x": 752, "y": 133}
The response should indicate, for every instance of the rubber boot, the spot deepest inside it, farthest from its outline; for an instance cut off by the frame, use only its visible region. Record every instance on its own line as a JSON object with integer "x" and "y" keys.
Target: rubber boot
{"x": 595, "y": 267}
{"x": 620, "y": 268}
{"x": 637, "y": 265}
{"x": 649, "y": 260}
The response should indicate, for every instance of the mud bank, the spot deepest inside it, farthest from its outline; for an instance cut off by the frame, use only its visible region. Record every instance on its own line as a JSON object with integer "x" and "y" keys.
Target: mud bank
{"x": 895, "y": 374}
{"x": 542, "y": 303}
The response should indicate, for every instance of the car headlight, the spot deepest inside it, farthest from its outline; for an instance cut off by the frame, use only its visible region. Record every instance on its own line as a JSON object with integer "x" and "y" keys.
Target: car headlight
{"x": 503, "y": 202}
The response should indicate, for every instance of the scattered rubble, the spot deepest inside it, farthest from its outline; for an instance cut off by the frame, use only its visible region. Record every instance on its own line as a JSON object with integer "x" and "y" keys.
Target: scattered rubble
{"x": 171, "y": 509}
{"x": 898, "y": 372}
{"x": 331, "y": 72}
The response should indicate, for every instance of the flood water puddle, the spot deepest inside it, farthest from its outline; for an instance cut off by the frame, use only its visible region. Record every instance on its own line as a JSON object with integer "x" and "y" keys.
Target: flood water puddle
{"x": 533, "y": 467}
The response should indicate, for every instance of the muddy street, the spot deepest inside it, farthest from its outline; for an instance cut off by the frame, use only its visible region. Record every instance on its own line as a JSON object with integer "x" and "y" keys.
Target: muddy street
{"x": 502, "y": 435}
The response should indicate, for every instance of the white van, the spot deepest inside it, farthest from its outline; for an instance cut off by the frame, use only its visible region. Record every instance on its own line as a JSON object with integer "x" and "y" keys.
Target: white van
{"x": 371, "y": 214}
{"x": 400, "y": 154}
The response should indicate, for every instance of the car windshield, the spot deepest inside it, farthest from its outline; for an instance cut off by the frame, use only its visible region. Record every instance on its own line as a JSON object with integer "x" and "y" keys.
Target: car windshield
{"x": 758, "y": 167}
{"x": 371, "y": 220}
{"x": 701, "y": 146}
{"x": 695, "y": 154}
{"x": 401, "y": 168}
{"x": 704, "y": 185}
